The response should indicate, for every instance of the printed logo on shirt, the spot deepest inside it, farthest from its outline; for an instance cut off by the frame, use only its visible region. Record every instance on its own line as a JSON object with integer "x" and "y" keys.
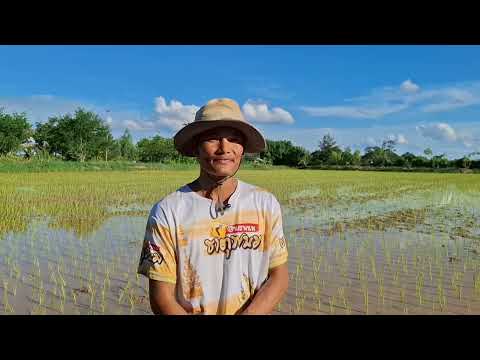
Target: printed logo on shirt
{"x": 227, "y": 238}
{"x": 151, "y": 253}
{"x": 221, "y": 230}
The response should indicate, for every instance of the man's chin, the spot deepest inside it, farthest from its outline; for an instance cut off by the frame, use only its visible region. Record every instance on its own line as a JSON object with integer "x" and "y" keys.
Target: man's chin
{"x": 222, "y": 172}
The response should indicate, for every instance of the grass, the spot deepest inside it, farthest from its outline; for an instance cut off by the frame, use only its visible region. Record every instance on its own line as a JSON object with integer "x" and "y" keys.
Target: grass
{"x": 18, "y": 165}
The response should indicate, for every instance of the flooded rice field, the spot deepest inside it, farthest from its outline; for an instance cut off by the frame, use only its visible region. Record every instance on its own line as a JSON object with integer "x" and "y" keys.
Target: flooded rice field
{"x": 359, "y": 243}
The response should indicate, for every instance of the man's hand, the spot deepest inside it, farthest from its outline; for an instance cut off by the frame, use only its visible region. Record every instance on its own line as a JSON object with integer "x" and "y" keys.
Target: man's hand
{"x": 270, "y": 294}
{"x": 162, "y": 299}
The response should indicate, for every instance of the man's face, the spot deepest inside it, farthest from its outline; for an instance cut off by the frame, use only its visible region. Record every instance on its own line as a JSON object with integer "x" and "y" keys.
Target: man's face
{"x": 220, "y": 151}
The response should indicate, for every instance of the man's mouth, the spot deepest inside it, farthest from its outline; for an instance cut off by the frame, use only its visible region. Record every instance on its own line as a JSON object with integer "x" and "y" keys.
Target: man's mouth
{"x": 222, "y": 161}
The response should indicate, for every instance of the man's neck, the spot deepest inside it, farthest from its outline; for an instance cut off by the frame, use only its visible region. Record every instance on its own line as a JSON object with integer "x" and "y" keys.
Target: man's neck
{"x": 204, "y": 185}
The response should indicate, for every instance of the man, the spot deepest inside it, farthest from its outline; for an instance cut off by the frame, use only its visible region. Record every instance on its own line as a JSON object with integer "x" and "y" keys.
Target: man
{"x": 216, "y": 245}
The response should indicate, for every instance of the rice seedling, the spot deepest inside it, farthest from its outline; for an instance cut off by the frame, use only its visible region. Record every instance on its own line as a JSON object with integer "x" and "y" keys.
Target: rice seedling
{"x": 331, "y": 302}
{"x": 354, "y": 214}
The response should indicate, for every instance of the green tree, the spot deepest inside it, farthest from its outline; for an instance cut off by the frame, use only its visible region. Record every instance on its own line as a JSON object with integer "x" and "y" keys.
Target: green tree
{"x": 335, "y": 158}
{"x": 283, "y": 152}
{"x": 347, "y": 156}
{"x": 408, "y": 159}
{"x": 439, "y": 161}
{"x": 381, "y": 156}
{"x": 428, "y": 152}
{"x": 326, "y": 147}
{"x": 158, "y": 149}
{"x": 127, "y": 147}
{"x": 80, "y": 137}
{"x": 14, "y": 130}
{"x": 356, "y": 158}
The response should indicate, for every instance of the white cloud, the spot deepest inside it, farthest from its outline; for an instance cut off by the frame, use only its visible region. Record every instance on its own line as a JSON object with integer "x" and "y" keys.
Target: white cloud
{"x": 406, "y": 136}
{"x": 438, "y": 131}
{"x": 40, "y": 107}
{"x": 357, "y": 112}
{"x": 409, "y": 87}
{"x": 399, "y": 139}
{"x": 452, "y": 98}
{"x": 389, "y": 100}
{"x": 137, "y": 125}
{"x": 260, "y": 113}
{"x": 174, "y": 115}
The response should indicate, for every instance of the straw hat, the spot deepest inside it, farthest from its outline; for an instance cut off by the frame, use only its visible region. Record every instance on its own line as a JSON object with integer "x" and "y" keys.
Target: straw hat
{"x": 218, "y": 113}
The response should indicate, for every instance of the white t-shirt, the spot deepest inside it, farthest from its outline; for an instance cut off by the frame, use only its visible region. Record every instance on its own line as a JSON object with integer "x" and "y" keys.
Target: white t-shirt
{"x": 218, "y": 262}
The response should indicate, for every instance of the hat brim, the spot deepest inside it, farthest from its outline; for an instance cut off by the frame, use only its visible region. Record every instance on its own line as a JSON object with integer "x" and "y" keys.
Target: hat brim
{"x": 255, "y": 142}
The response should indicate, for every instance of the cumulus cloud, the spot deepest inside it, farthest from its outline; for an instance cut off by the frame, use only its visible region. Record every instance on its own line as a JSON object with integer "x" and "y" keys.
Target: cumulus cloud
{"x": 409, "y": 87}
{"x": 260, "y": 113}
{"x": 173, "y": 115}
{"x": 438, "y": 131}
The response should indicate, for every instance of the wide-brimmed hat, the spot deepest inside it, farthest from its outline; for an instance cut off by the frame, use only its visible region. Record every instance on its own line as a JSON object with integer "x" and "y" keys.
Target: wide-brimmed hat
{"x": 219, "y": 113}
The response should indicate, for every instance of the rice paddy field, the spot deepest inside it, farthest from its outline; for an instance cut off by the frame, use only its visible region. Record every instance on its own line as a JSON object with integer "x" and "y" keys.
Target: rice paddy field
{"x": 359, "y": 242}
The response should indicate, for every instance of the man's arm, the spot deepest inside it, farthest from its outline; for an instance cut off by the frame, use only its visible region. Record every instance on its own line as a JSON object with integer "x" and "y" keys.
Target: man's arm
{"x": 271, "y": 293}
{"x": 162, "y": 299}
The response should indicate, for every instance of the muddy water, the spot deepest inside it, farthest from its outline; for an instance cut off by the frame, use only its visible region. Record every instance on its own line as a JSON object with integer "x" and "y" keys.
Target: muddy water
{"x": 421, "y": 261}
{"x": 393, "y": 272}
{"x": 53, "y": 271}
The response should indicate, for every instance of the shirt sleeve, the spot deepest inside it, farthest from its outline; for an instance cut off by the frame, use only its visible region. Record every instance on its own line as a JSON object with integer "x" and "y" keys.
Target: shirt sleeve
{"x": 278, "y": 249}
{"x": 158, "y": 256}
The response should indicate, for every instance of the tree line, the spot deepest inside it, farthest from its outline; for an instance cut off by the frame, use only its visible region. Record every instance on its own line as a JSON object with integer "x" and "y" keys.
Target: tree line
{"x": 85, "y": 136}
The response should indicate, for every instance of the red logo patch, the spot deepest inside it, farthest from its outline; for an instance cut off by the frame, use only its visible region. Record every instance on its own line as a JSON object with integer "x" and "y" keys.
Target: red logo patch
{"x": 242, "y": 228}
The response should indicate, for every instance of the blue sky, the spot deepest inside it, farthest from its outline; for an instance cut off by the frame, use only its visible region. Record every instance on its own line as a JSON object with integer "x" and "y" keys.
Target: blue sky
{"x": 420, "y": 96}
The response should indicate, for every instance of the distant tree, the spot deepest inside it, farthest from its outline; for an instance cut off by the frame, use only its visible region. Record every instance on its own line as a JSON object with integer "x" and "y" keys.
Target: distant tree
{"x": 326, "y": 146}
{"x": 283, "y": 152}
{"x": 335, "y": 158}
{"x": 475, "y": 156}
{"x": 80, "y": 137}
{"x": 466, "y": 162}
{"x": 389, "y": 145}
{"x": 356, "y": 158}
{"x": 428, "y": 152}
{"x": 408, "y": 159}
{"x": 157, "y": 149}
{"x": 128, "y": 150}
{"x": 373, "y": 156}
{"x": 439, "y": 161}
{"x": 14, "y": 130}
{"x": 347, "y": 156}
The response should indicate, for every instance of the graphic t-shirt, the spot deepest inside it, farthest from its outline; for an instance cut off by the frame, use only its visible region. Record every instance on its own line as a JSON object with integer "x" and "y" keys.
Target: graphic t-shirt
{"x": 218, "y": 262}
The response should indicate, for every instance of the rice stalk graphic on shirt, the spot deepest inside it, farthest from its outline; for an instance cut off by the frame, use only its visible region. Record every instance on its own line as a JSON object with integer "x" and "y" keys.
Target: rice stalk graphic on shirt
{"x": 192, "y": 287}
{"x": 227, "y": 238}
{"x": 248, "y": 288}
